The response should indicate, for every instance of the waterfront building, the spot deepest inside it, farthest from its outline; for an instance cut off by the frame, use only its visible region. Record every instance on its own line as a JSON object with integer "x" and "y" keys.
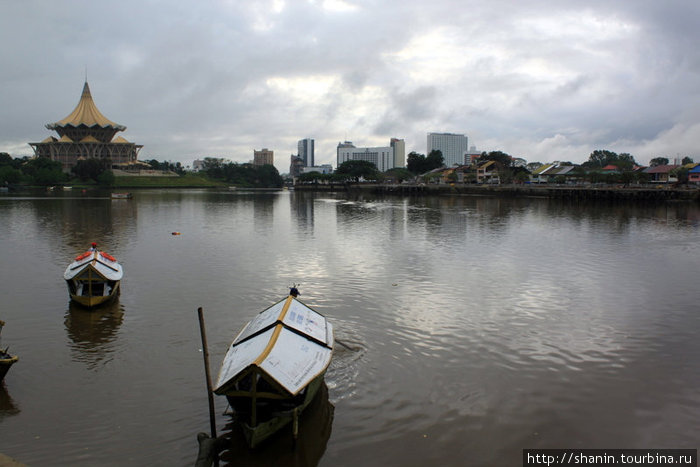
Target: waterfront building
{"x": 399, "y": 148}
{"x": 86, "y": 134}
{"x": 322, "y": 169}
{"x": 263, "y": 157}
{"x": 453, "y": 147}
{"x": 305, "y": 151}
{"x": 381, "y": 157}
{"x": 296, "y": 164}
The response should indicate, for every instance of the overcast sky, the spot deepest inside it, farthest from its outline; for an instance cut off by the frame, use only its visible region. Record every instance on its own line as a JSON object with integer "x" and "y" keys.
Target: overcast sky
{"x": 542, "y": 80}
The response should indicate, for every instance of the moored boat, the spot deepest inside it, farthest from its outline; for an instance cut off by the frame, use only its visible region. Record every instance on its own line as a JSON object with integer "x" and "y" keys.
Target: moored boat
{"x": 93, "y": 277}
{"x": 6, "y": 360}
{"x": 275, "y": 366}
{"x": 121, "y": 196}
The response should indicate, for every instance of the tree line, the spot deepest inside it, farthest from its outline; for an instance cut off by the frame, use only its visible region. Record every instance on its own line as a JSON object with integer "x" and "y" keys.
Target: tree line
{"x": 243, "y": 175}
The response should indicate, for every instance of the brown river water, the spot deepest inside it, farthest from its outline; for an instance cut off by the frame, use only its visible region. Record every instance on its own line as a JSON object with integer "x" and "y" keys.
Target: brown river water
{"x": 478, "y": 327}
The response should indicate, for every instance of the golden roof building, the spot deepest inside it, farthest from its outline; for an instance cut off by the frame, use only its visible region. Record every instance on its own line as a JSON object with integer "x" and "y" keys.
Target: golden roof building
{"x": 86, "y": 134}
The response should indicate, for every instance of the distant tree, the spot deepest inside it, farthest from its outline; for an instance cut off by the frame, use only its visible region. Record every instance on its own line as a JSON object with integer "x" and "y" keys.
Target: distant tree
{"x": 5, "y": 159}
{"x": 532, "y": 166}
{"x": 399, "y": 174}
{"x": 681, "y": 173}
{"x": 415, "y": 163}
{"x": 625, "y": 161}
{"x": 600, "y": 158}
{"x": 497, "y": 156}
{"x": 687, "y": 160}
{"x": 90, "y": 169}
{"x": 9, "y": 174}
{"x": 267, "y": 176}
{"x": 657, "y": 161}
{"x": 357, "y": 169}
{"x": 106, "y": 178}
{"x": 312, "y": 177}
{"x": 43, "y": 171}
{"x": 419, "y": 164}
{"x": 521, "y": 177}
{"x": 435, "y": 160}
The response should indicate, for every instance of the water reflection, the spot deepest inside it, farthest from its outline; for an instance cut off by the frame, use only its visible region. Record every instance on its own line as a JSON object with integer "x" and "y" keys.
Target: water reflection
{"x": 8, "y": 407}
{"x": 315, "y": 425}
{"x": 93, "y": 332}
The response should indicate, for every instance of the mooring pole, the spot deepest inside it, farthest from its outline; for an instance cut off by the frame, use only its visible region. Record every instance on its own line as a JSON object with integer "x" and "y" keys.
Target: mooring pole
{"x": 205, "y": 351}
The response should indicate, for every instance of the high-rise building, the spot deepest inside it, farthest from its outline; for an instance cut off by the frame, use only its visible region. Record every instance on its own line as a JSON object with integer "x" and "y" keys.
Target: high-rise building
{"x": 381, "y": 157}
{"x": 399, "y": 147}
{"x": 305, "y": 150}
{"x": 453, "y": 147}
{"x": 263, "y": 157}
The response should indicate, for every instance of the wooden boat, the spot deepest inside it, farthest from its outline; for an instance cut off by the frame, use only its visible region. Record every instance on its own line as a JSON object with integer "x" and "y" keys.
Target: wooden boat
{"x": 93, "y": 277}
{"x": 121, "y": 196}
{"x": 6, "y": 360}
{"x": 275, "y": 366}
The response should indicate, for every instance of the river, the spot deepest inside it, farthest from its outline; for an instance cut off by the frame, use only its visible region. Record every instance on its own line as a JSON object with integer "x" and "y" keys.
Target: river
{"x": 477, "y": 327}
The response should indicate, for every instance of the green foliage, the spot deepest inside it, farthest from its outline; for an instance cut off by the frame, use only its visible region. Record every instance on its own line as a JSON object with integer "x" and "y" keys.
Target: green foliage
{"x": 106, "y": 178}
{"x": 5, "y": 159}
{"x": 399, "y": 174}
{"x": 9, "y": 174}
{"x": 419, "y": 164}
{"x": 681, "y": 173}
{"x": 243, "y": 175}
{"x": 501, "y": 157}
{"x": 90, "y": 169}
{"x": 43, "y": 171}
{"x": 687, "y": 160}
{"x": 358, "y": 169}
{"x": 657, "y": 161}
{"x": 602, "y": 157}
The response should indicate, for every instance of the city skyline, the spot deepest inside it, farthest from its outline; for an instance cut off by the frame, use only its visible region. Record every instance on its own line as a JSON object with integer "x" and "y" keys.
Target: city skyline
{"x": 536, "y": 80}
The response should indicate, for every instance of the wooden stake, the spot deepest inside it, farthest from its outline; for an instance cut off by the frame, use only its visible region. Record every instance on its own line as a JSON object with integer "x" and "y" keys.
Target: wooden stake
{"x": 210, "y": 394}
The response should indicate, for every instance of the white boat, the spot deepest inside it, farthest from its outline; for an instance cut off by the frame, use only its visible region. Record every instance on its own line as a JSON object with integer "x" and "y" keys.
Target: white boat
{"x": 275, "y": 366}
{"x": 93, "y": 277}
{"x": 121, "y": 196}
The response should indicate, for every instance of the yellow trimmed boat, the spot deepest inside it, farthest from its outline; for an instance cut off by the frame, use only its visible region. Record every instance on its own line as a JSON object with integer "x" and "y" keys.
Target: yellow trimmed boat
{"x": 275, "y": 366}
{"x": 93, "y": 277}
{"x": 6, "y": 360}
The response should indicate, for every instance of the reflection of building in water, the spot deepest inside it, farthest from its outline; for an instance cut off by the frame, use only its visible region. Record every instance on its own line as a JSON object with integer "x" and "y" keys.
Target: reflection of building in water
{"x": 302, "y": 205}
{"x": 92, "y": 333}
{"x": 86, "y": 134}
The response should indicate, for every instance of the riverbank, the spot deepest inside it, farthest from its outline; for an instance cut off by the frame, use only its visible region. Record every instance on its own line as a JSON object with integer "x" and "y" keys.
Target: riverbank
{"x": 637, "y": 193}
{"x": 9, "y": 462}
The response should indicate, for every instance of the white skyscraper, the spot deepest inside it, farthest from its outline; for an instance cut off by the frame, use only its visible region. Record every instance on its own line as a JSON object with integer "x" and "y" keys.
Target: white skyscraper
{"x": 381, "y": 157}
{"x": 453, "y": 147}
{"x": 306, "y": 151}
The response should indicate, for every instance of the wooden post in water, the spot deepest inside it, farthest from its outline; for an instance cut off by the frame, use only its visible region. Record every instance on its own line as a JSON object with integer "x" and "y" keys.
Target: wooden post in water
{"x": 205, "y": 351}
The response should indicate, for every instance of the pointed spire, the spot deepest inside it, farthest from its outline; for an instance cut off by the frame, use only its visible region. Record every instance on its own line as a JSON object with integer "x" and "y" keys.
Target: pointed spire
{"x": 86, "y": 113}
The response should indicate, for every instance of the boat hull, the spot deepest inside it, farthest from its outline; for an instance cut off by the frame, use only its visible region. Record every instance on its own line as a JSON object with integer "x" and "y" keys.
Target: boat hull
{"x": 5, "y": 363}
{"x": 90, "y": 301}
{"x": 254, "y": 435}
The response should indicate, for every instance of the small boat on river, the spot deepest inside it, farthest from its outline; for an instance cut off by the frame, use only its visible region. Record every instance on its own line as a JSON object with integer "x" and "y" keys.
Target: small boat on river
{"x": 122, "y": 196}
{"x": 275, "y": 366}
{"x": 93, "y": 277}
{"x": 6, "y": 360}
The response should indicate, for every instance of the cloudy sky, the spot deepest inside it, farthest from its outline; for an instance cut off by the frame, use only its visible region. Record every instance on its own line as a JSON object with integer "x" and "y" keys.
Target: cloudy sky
{"x": 543, "y": 80}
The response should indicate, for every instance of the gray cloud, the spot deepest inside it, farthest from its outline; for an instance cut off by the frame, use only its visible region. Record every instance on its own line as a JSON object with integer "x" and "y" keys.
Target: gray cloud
{"x": 537, "y": 79}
